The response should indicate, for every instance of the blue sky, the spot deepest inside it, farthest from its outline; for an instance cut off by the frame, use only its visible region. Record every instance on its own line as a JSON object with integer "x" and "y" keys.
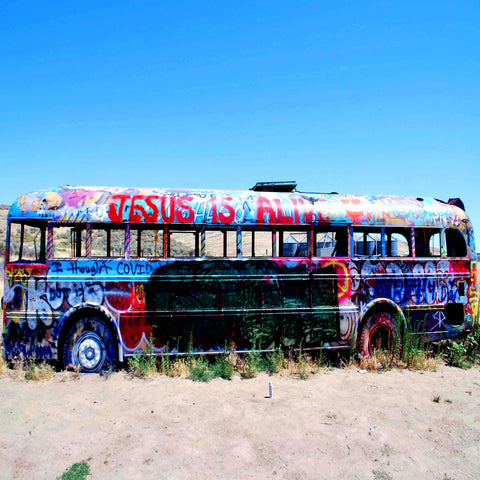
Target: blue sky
{"x": 348, "y": 96}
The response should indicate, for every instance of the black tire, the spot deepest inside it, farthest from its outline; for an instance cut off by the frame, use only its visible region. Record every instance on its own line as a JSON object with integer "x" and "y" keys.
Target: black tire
{"x": 90, "y": 345}
{"x": 380, "y": 331}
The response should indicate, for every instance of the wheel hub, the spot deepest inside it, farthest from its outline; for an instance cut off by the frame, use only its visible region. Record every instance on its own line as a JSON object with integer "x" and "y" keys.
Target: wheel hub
{"x": 89, "y": 349}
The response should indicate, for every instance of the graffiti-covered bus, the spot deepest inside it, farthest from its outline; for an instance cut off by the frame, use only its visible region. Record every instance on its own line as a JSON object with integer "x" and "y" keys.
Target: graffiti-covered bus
{"x": 94, "y": 275}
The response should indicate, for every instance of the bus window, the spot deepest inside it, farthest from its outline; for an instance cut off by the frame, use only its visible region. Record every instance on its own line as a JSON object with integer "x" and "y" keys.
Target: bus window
{"x": 257, "y": 243}
{"x": 331, "y": 242}
{"x": 27, "y": 243}
{"x": 427, "y": 242}
{"x": 108, "y": 242}
{"x": 117, "y": 242}
{"x": 184, "y": 243}
{"x": 99, "y": 242}
{"x": 146, "y": 242}
{"x": 220, "y": 243}
{"x": 294, "y": 243}
{"x": 398, "y": 242}
{"x": 68, "y": 241}
{"x": 456, "y": 246}
{"x": 367, "y": 242}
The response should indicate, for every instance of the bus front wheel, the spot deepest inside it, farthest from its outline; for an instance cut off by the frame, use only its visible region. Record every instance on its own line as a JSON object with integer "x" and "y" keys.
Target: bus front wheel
{"x": 380, "y": 332}
{"x": 90, "y": 346}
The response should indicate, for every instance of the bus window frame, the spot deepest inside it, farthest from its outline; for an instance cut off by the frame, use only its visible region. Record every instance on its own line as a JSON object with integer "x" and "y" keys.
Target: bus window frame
{"x": 80, "y": 242}
{"x": 366, "y": 230}
{"x": 465, "y": 243}
{"x": 188, "y": 228}
{"x": 331, "y": 228}
{"x": 225, "y": 247}
{"x": 273, "y": 230}
{"x": 442, "y": 247}
{"x": 108, "y": 228}
{"x": 297, "y": 229}
{"x": 388, "y": 231}
{"x": 42, "y": 226}
{"x": 136, "y": 253}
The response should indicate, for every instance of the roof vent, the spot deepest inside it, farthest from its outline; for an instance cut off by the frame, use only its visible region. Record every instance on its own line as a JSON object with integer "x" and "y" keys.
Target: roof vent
{"x": 289, "y": 186}
{"x": 457, "y": 202}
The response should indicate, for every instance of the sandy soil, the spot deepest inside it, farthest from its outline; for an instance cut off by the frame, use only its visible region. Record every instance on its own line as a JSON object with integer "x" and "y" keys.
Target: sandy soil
{"x": 337, "y": 424}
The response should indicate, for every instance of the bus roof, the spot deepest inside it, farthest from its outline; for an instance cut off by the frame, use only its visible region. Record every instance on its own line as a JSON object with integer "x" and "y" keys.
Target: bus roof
{"x": 228, "y": 207}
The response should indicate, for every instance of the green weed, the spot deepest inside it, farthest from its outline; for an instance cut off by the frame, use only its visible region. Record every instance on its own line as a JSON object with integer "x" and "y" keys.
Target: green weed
{"x": 249, "y": 366}
{"x": 78, "y": 471}
{"x": 143, "y": 364}
{"x": 275, "y": 361}
{"x": 223, "y": 366}
{"x": 457, "y": 355}
{"x": 165, "y": 362}
{"x": 199, "y": 370}
{"x": 463, "y": 353}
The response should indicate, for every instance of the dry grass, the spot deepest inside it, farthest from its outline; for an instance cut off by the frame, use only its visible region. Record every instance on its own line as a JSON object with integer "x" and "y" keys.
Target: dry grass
{"x": 383, "y": 360}
{"x": 301, "y": 367}
{"x": 18, "y": 368}
{"x": 26, "y": 370}
{"x": 245, "y": 369}
{"x": 39, "y": 372}
{"x": 178, "y": 368}
{"x": 423, "y": 362}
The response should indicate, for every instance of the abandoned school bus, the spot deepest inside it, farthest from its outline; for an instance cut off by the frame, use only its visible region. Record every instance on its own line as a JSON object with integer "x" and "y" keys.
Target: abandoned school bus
{"x": 94, "y": 274}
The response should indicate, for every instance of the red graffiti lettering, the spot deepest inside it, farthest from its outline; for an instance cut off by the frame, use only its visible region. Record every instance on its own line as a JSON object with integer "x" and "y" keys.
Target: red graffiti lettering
{"x": 265, "y": 207}
{"x": 183, "y": 205}
{"x": 167, "y": 218}
{"x": 116, "y": 214}
{"x": 135, "y": 207}
{"x": 153, "y": 217}
{"x": 230, "y": 212}
{"x": 283, "y": 219}
{"x": 214, "y": 210}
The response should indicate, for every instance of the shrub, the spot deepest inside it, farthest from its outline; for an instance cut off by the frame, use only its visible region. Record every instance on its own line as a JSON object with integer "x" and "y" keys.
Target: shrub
{"x": 199, "y": 370}
{"x": 37, "y": 373}
{"x": 472, "y": 345}
{"x": 457, "y": 355}
{"x": 249, "y": 366}
{"x": 275, "y": 361}
{"x": 142, "y": 365}
{"x": 223, "y": 366}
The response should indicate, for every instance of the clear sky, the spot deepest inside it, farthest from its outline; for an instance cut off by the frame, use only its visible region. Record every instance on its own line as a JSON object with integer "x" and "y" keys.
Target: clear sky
{"x": 347, "y": 96}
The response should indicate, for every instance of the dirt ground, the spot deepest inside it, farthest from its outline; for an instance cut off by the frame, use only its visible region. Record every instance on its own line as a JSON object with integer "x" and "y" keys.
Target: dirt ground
{"x": 339, "y": 424}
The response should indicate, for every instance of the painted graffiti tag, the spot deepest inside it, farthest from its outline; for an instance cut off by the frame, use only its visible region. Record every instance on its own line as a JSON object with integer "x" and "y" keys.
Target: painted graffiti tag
{"x": 93, "y": 268}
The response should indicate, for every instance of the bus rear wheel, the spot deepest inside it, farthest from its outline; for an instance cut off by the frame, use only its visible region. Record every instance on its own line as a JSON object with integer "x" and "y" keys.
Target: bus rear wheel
{"x": 380, "y": 332}
{"x": 90, "y": 346}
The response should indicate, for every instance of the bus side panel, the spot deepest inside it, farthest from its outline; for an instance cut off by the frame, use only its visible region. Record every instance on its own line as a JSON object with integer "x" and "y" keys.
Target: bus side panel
{"x": 433, "y": 293}
{"x": 28, "y": 316}
{"x": 255, "y": 303}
